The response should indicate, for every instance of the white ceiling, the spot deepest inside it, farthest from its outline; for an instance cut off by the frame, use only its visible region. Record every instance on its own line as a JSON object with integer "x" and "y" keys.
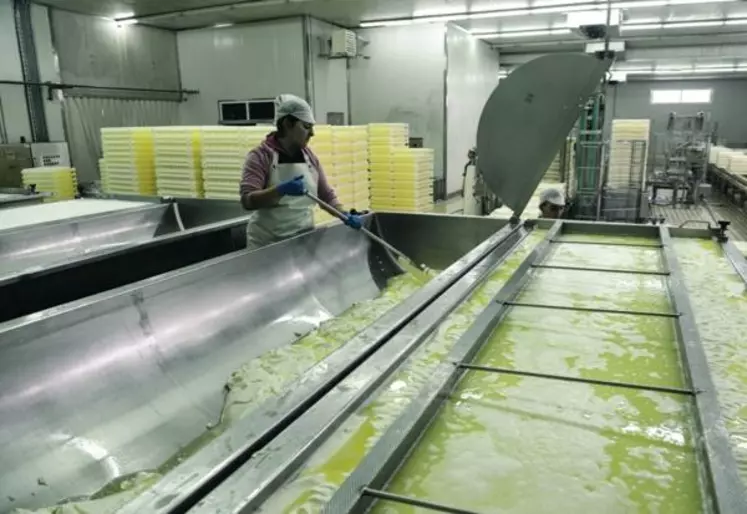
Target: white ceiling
{"x": 184, "y": 14}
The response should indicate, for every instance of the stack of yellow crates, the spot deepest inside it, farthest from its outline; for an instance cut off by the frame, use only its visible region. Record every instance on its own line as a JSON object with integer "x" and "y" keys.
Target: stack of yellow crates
{"x": 178, "y": 159}
{"x": 224, "y": 150}
{"x": 361, "y": 183}
{"x": 628, "y": 146}
{"x": 129, "y": 165}
{"x": 342, "y": 152}
{"x": 104, "y": 172}
{"x": 322, "y": 144}
{"x": 401, "y": 177}
{"x": 60, "y": 182}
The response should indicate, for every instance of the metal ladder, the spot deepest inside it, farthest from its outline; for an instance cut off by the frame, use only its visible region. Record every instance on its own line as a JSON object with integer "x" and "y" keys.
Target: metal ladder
{"x": 716, "y": 463}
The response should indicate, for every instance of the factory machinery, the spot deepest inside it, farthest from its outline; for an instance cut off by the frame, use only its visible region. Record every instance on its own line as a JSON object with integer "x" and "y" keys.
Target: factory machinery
{"x": 682, "y": 160}
{"x": 548, "y": 365}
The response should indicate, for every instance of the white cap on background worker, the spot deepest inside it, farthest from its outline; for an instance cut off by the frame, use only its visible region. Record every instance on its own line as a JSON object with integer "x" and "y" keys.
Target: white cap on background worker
{"x": 551, "y": 203}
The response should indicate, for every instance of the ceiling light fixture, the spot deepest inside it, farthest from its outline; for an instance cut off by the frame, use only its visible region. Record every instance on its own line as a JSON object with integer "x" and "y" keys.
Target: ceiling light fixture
{"x": 524, "y": 11}
{"x": 523, "y": 33}
{"x": 693, "y": 24}
{"x": 697, "y": 70}
{"x": 642, "y": 26}
{"x": 222, "y": 25}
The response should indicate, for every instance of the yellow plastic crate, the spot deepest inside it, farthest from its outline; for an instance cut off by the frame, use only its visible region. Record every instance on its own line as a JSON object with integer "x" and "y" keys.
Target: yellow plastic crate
{"x": 396, "y": 174}
{"x": 399, "y": 207}
{"x": 179, "y": 188}
{"x": 321, "y": 146}
{"x": 60, "y": 182}
{"x": 382, "y": 129}
{"x": 399, "y": 190}
{"x": 324, "y": 157}
{"x": 340, "y": 180}
{"x": 222, "y": 162}
{"x": 344, "y": 190}
{"x": 221, "y": 185}
{"x": 222, "y": 196}
{"x": 222, "y": 174}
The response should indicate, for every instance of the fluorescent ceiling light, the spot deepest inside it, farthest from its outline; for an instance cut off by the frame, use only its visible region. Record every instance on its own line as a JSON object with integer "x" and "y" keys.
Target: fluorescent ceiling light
{"x": 121, "y": 15}
{"x": 568, "y": 6}
{"x": 742, "y": 21}
{"x": 645, "y": 3}
{"x": 686, "y": 71}
{"x": 643, "y": 21}
{"x": 692, "y": 24}
{"x": 222, "y": 25}
{"x": 642, "y": 26}
{"x": 124, "y": 23}
{"x": 523, "y": 33}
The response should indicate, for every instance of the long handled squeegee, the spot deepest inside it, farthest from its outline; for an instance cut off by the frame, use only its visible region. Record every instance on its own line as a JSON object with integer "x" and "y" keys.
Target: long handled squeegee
{"x": 370, "y": 234}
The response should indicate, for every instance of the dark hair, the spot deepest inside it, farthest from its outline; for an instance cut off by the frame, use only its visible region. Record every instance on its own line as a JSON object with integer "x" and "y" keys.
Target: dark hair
{"x": 279, "y": 124}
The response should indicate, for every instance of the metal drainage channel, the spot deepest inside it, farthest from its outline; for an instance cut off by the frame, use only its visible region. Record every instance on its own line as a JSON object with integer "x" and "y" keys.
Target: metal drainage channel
{"x": 716, "y": 462}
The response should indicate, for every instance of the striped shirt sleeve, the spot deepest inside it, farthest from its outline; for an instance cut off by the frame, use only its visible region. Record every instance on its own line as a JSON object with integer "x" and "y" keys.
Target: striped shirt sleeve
{"x": 255, "y": 174}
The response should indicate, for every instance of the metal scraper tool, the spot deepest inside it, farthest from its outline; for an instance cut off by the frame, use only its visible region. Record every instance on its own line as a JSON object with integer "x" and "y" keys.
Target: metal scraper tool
{"x": 406, "y": 260}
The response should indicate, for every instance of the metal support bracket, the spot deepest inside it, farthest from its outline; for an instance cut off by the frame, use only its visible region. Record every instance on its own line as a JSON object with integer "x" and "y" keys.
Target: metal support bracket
{"x": 603, "y": 270}
{"x": 579, "y": 380}
{"x": 592, "y": 309}
{"x": 577, "y": 242}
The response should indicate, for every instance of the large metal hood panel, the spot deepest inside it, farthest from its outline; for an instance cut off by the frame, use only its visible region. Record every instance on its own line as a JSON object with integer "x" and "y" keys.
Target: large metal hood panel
{"x": 527, "y": 118}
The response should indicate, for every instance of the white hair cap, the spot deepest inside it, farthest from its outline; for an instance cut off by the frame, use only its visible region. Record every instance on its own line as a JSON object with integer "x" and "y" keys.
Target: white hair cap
{"x": 553, "y": 196}
{"x": 291, "y": 105}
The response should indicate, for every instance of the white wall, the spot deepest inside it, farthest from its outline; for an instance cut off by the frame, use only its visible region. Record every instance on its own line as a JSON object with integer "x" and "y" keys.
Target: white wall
{"x": 403, "y": 82}
{"x": 259, "y": 60}
{"x": 96, "y": 51}
{"x": 329, "y": 84}
{"x": 15, "y": 113}
{"x": 472, "y": 75}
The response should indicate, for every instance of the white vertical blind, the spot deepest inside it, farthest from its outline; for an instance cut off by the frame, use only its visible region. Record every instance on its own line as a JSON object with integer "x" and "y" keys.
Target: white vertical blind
{"x": 85, "y": 117}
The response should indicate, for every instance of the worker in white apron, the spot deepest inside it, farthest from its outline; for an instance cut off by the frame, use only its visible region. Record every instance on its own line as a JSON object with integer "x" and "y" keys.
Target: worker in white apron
{"x": 278, "y": 173}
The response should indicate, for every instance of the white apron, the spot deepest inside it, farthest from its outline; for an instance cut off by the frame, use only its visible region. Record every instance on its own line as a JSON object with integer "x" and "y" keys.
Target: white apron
{"x": 292, "y": 215}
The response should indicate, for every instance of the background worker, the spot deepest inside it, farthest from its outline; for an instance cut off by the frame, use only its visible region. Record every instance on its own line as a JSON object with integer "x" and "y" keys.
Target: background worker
{"x": 552, "y": 204}
{"x": 278, "y": 173}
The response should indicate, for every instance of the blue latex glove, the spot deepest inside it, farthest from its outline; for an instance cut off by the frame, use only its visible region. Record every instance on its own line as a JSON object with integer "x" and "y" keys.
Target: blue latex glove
{"x": 353, "y": 221}
{"x": 295, "y": 187}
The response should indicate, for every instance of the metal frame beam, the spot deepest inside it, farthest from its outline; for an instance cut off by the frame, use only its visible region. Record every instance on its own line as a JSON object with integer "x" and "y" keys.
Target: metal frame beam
{"x": 592, "y": 309}
{"x": 603, "y": 270}
{"x": 577, "y": 242}
{"x": 565, "y": 378}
